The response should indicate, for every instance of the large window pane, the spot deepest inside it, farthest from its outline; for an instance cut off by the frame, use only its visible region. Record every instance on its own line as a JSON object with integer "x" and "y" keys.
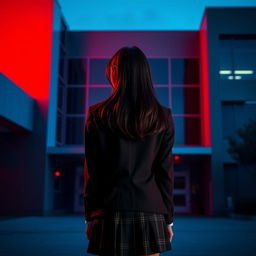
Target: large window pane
{"x": 162, "y": 95}
{"x": 97, "y": 71}
{"x": 77, "y": 71}
{"x": 159, "y": 70}
{"x": 74, "y": 130}
{"x": 75, "y": 100}
{"x": 185, "y": 71}
{"x": 237, "y": 54}
{"x": 188, "y": 130}
{"x": 98, "y": 94}
{"x": 185, "y": 100}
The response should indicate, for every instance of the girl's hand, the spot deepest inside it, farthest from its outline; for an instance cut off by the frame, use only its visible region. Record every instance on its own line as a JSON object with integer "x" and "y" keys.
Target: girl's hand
{"x": 89, "y": 225}
{"x": 170, "y": 232}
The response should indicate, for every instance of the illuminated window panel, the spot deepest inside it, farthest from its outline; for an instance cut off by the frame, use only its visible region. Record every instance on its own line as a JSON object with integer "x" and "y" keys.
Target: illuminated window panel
{"x": 237, "y": 54}
{"x": 77, "y": 71}
{"x": 75, "y": 100}
{"x": 96, "y": 95}
{"x": 185, "y": 100}
{"x": 159, "y": 70}
{"x": 97, "y": 71}
{"x": 188, "y": 131}
{"x": 74, "y": 130}
{"x": 162, "y": 95}
{"x": 185, "y": 71}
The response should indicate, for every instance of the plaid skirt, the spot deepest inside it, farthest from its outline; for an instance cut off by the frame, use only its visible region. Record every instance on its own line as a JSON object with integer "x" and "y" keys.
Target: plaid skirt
{"x": 129, "y": 233}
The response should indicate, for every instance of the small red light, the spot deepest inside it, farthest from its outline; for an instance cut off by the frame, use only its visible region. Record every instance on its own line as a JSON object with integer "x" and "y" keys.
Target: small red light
{"x": 176, "y": 157}
{"x": 57, "y": 173}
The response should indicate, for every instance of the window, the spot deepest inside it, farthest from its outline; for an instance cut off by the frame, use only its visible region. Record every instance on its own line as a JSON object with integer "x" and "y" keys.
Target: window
{"x": 62, "y": 80}
{"x": 61, "y": 90}
{"x": 98, "y": 94}
{"x": 162, "y": 94}
{"x": 63, "y": 33}
{"x": 62, "y": 62}
{"x": 97, "y": 71}
{"x": 176, "y": 86}
{"x": 159, "y": 70}
{"x": 75, "y": 100}
{"x": 187, "y": 130}
{"x": 235, "y": 115}
{"x": 185, "y": 71}
{"x": 237, "y": 54}
{"x": 59, "y": 127}
{"x": 74, "y": 130}
{"x": 186, "y": 100}
{"x": 76, "y": 71}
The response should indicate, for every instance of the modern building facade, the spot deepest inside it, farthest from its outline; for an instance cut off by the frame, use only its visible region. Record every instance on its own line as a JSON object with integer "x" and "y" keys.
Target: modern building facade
{"x": 208, "y": 79}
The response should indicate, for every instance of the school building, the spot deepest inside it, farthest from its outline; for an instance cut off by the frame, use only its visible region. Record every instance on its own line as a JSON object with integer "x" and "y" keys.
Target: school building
{"x": 207, "y": 77}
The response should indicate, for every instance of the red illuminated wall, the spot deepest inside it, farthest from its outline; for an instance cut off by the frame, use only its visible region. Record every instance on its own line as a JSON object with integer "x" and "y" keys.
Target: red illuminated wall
{"x": 205, "y": 104}
{"x": 25, "y": 57}
{"x": 205, "y": 107}
{"x": 25, "y": 45}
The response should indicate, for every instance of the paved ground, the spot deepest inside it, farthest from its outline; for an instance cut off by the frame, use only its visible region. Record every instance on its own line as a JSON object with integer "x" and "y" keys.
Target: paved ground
{"x": 61, "y": 236}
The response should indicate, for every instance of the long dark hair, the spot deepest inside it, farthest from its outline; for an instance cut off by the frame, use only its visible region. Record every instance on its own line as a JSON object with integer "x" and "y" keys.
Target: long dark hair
{"x": 132, "y": 110}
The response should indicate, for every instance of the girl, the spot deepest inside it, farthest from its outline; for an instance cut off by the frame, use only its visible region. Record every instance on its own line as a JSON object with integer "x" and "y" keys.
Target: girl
{"x": 128, "y": 196}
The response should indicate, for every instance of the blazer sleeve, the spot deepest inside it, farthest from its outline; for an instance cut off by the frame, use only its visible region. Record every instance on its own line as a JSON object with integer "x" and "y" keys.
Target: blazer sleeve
{"x": 164, "y": 174}
{"x": 92, "y": 185}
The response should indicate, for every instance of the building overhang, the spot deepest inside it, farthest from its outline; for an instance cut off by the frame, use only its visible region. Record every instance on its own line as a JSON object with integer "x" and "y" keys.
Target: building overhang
{"x": 16, "y": 107}
{"x": 79, "y": 150}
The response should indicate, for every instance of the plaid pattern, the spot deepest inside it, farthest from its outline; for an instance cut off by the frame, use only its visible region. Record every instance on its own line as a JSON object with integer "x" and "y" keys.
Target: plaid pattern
{"x": 129, "y": 234}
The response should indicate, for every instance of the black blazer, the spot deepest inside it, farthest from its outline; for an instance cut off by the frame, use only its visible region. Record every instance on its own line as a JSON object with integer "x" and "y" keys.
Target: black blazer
{"x": 121, "y": 174}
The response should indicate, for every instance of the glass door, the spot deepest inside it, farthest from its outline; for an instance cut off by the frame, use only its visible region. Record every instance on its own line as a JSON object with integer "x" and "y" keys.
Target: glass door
{"x": 182, "y": 191}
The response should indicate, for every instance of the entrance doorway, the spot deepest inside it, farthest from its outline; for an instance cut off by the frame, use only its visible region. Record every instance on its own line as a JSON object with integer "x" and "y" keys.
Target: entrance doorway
{"x": 182, "y": 200}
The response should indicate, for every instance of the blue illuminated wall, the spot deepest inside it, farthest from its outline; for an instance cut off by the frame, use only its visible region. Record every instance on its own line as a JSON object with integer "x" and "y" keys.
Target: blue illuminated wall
{"x": 231, "y": 49}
